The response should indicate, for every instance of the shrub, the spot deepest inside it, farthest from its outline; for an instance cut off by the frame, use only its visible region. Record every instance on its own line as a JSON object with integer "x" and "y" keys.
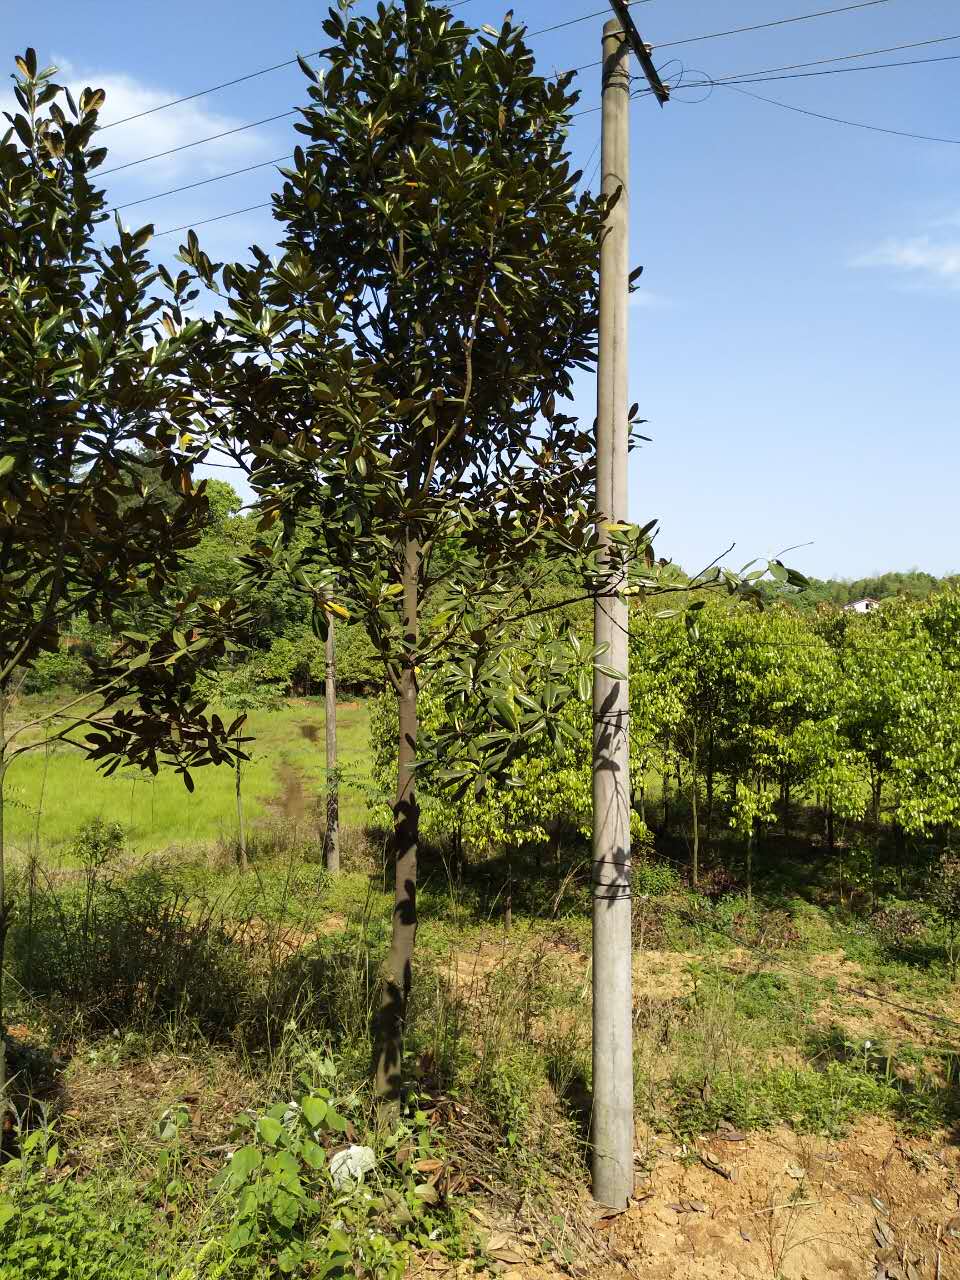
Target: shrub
{"x": 130, "y": 953}
{"x": 59, "y": 670}
{"x": 655, "y": 879}
{"x": 286, "y": 1206}
{"x": 98, "y": 843}
{"x": 895, "y": 923}
{"x": 945, "y": 900}
{"x": 139, "y": 953}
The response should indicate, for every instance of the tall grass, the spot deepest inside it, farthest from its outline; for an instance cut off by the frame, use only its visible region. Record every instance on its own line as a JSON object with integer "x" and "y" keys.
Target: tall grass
{"x": 53, "y": 793}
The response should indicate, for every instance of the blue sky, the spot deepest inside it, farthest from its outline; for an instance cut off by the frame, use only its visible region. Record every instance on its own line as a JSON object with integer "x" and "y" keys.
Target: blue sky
{"x": 795, "y": 346}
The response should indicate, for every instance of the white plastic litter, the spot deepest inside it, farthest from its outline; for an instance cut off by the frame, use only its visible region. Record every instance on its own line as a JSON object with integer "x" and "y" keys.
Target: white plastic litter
{"x": 351, "y": 1164}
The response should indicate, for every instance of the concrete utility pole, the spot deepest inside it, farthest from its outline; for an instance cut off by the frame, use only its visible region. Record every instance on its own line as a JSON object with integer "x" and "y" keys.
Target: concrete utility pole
{"x": 331, "y": 839}
{"x": 612, "y": 946}
{"x": 613, "y": 1124}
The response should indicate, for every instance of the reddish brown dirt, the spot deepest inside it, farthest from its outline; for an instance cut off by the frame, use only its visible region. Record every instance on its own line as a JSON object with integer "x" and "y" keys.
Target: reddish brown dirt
{"x": 794, "y": 1209}
{"x": 282, "y": 937}
{"x": 800, "y": 1208}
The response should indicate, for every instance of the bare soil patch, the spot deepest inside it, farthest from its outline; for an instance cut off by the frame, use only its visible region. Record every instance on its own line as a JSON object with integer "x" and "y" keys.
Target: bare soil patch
{"x": 793, "y": 1208}
{"x": 800, "y": 1208}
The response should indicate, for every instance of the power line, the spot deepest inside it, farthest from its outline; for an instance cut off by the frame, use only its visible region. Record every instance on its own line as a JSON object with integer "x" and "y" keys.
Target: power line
{"x": 189, "y": 186}
{"x": 200, "y": 93}
{"x": 853, "y": 124}
{"x": 778, "y": 22}
{"x": 764, "y": 76}
{"x": 281, "y": 115}
{"x": 213, "y": 137}
{"x": 849, "y": 57}
{"x": 189, "y": 226}
{"x": 589, "y": 182}
{"x": 791, "y": 71}
{"x": 541, "y": 31}
{"x": 291, "y": 62}
{"x": 602, "y": 13}
{"x": 253, "y": 124}
{"x": 760, "y": 78}
{"x": 755, "y": 78}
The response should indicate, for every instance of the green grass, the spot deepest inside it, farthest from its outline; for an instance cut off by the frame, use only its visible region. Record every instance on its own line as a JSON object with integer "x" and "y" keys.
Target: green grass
{"x": 50, "y": 794}
{"x": 113, "y": 971}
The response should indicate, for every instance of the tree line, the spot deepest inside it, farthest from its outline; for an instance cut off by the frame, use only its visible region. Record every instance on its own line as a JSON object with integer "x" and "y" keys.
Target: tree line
{"x": 840, "y": 731}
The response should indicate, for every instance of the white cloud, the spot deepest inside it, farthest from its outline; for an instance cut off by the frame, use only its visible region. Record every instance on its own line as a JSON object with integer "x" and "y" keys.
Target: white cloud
{"x": 161, "y": 131}
{"x": 127, "y": 95}
{"x": 924, "y": 258}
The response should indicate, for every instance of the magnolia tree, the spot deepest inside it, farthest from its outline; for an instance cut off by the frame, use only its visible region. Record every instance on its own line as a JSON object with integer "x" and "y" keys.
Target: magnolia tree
{"x": 97, "y": 501}
{"x": 396, "y": 377}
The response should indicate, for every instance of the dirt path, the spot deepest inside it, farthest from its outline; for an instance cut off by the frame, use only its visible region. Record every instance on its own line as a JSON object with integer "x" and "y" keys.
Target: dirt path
{"x": 292, "y": 801}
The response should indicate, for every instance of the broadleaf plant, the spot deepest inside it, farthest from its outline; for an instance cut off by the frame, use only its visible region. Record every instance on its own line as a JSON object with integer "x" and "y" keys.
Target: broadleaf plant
{"x": 98, "y": 505}
{"x": 395, "y": 381}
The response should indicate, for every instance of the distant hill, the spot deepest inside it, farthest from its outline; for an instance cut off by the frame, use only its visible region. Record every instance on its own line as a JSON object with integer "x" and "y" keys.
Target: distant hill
{"x": 912, "y": 585}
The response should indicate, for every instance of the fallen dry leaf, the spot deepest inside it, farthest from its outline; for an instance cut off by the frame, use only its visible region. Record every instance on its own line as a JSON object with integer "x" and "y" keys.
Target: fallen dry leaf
{"x": 506, "y": 1255}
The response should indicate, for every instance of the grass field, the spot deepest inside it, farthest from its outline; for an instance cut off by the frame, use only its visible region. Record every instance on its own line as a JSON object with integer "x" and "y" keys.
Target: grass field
{"x": 52, "y": 793}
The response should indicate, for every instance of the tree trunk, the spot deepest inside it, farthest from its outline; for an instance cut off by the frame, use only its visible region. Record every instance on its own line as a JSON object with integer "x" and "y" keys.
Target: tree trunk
{"x": 241, "y": 825}
{"x": 785, "y": 804}
{"x": 665, "y": 780}
{"x": 751, "y": 846}
{"x": 508, "y": 901}
{"x": 876, "y": 787}
{"x": 694, "y": 808}
{"x": 5, "y": 911}
{"x": 753, "y": 842}
{"x": 398, "y": 970}
{"x": 900, "y": 844}
{"x": 831, "y": 834}
{"x": 710, "y": 774}
{"x": 331, "y": 835}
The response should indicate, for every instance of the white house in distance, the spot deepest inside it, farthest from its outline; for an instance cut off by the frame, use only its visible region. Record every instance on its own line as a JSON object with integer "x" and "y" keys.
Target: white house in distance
{"x": 866, "y": 605}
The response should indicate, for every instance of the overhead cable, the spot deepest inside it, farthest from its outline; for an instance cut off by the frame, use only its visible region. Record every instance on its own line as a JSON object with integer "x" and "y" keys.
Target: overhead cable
{"x": 777, "y": 22}
{"x": 202, "y": 182}
{"x": 253, "y": 124}
{"x": 852, "y": 124}
{"x": 185, "y": 146}
{"x": 291, "y": 62}
{"x": 189, "y": 226}
{"x": 774, "y": 73}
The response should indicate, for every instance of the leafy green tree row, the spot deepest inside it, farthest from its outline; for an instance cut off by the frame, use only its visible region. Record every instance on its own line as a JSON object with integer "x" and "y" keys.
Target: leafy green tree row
{"x": 743, "y": 722}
